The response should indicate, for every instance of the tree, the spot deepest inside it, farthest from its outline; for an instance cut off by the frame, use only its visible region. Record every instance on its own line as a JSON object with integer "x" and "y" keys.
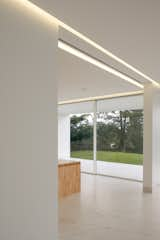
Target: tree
{"x": 123, "y": 120}
{"x": 135, "y": 132}
{"x": 120, "y": 121}
{"x": 121, "y": 129}
{"x": 107, "y": 134}
{"x": 129, "y": 125}
{"x": 81, "y": 132}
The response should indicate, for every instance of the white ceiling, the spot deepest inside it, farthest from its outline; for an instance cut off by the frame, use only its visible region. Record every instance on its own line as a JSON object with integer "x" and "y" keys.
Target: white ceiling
{"x": 79, "y": 79}
{"x": 129, "y": 29}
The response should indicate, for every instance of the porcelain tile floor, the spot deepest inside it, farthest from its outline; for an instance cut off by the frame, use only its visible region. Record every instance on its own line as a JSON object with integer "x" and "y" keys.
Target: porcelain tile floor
{"x": 110, "y": 209}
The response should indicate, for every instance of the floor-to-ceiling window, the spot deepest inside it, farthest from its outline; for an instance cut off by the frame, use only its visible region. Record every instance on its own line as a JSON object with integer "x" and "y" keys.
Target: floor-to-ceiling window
{"x": 119, "y": 136}
{"x": 120, "y": 143}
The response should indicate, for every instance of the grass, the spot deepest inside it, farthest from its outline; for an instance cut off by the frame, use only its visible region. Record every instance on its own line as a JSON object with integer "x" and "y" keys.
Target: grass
{"x": 118, "y": 157}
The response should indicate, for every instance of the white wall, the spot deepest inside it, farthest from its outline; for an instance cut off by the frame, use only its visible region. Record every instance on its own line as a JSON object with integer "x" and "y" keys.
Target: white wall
{"x": 63, "y": 136}
{"x": 151, "y": 165}
{"x": 28, "y": 125}
{"x": 156, "y": 140}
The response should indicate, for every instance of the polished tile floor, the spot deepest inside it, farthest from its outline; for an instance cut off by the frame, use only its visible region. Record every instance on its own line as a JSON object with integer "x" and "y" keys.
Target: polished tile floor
{"x": 110, "y": 209}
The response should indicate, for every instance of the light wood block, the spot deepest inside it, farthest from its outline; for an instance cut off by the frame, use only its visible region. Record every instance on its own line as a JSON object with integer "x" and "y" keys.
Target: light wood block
{"x": 69, "y": 178}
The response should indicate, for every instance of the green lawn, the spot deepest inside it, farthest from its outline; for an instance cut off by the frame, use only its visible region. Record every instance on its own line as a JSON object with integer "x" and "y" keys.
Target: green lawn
{"x": 118, "y": 157}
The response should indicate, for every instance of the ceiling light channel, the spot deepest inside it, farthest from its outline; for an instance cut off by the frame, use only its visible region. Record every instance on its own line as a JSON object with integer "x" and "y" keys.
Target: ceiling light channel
{"x": 96, "y": 62}
{"x": 51, "y": 19}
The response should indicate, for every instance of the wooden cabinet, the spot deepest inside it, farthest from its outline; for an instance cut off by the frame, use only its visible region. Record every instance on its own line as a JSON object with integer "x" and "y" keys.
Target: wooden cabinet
{"x": 69, "y": 178}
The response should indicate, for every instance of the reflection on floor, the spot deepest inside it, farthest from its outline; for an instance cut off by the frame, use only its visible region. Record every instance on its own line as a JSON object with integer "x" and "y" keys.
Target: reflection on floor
{"x": 121, "y": 170}
{"x": 110, "y": 209}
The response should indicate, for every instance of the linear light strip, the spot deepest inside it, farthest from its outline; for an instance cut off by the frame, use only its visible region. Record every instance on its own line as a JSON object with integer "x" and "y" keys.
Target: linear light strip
{"x": 110, "y": 96}
{"x": 108, "y": 53}
{"x": 52, "y": 19}
{"x": 82, "y": 55}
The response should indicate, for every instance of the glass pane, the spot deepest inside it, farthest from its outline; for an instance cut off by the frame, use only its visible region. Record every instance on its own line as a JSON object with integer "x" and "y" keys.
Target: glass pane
{"x": 120, "y": 137}
{"x": 82, "y": 140}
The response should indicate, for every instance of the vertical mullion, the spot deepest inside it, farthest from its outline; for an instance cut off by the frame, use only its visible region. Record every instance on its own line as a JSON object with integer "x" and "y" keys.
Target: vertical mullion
{"x": 95, "y": 138}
